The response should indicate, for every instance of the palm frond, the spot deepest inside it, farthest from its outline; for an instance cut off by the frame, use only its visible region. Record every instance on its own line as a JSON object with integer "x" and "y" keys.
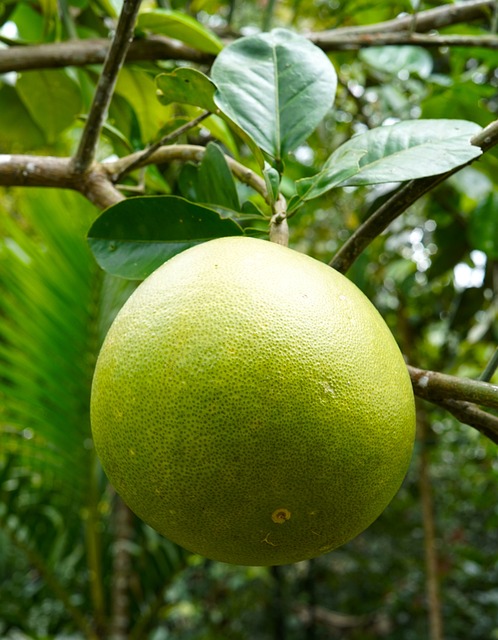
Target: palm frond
{"x": 48, "y": 333}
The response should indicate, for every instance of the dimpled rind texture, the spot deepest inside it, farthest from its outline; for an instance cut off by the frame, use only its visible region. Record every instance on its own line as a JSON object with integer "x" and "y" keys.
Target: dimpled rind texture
{"x": 250, "y": 404}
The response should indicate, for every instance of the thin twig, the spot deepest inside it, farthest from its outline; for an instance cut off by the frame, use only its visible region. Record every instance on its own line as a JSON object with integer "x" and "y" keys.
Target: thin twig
{"x": 490, "y": 369}
{"x": 399, "y": 202}
{"x": 416, "y": 11}
{"x": 124, "y": 32}
{"x": 140, "y": 160}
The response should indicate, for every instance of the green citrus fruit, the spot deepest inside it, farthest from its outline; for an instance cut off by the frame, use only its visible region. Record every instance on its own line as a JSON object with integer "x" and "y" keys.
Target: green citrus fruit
{"x": 250, "y": 404}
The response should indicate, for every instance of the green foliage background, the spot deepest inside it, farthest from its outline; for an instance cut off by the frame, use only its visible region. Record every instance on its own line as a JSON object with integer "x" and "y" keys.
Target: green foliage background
{"x": 433, "y": 276}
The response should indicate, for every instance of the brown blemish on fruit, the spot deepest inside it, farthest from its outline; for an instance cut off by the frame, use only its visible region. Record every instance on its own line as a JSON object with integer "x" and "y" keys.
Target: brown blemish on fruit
{"x": 279, "y": 516}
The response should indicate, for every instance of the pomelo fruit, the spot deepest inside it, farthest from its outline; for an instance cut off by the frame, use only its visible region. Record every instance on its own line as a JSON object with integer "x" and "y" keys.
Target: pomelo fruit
{"x": 250, "y": 404}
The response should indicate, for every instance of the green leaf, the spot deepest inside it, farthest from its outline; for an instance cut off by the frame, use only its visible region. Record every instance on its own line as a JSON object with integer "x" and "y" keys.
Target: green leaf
{"x": 29, "y": 22}
{"x": 134, "y": 237}
{"x": 276, "y": 86}
{"x": 186, "y": 86}
{"x": 403, "y": 60}
{"x": 190, "y": 86}
{"x": 272, "y": 181}
{"x": 216, "y": 181}
{"x": 211, "y": 182}
{"x": 188, "y": 181}
{"x": 344, "y": 165}
{"x": 52, "y": 98}
{"x": 396, "y": 153}
{"x": 222, "y": 131}
{"x": 181, "y": 27}
{"x": 18, "y": 132}
{"x": 111, "y": 7}
{"x": 139, "y": 89}
{"x": 483, "y": 227}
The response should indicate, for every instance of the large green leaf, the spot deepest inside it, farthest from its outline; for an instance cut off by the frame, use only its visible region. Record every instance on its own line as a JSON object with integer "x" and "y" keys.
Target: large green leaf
{"x": 19, "y": 132}
{"x": 214, "y": 182}
{"x": 186, "y": 86}
{"x": 139, "y": 89}
{"x": 52, "y": 98}
{"x": 134, "y": 237}
{"x": 223, "y": 132}
{"x": 404, "y": 151}
{"x": 276, "y": 86}
{"x": 406, "y": 59}
{"x": 181, "y": 27}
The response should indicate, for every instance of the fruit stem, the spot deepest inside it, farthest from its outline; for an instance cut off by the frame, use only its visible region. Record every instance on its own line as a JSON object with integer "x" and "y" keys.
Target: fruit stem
{"x": 279, "y": 229}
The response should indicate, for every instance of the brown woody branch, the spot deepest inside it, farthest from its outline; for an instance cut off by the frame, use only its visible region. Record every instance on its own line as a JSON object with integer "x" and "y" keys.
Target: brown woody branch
{"x": 404, "y": 30}
{"x": 80, "y": 53}
{"x": 49, "y": 171}
{"x": 105, "y": 87}
{"x": 344, "y": 42}
{"x": 436, "y": 387}
{"x": 183, "y": 153}
{"x": 97, "y": 184}
{"x": 471, "y": 415}
{"x": 459, "y": 396}
{"x": 420, "y": 22}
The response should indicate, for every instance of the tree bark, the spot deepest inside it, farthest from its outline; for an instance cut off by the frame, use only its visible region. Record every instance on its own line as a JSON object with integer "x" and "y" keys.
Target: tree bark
{"x": 121, "y": 572}
{"x": 432, "y": 580}
{"x": 278, "y": 609}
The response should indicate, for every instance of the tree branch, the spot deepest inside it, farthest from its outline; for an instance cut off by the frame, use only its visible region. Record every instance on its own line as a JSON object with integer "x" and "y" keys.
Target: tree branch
{"x": 124, "y": 33}
{"x": 459, "y": 396}
{"x": 80, "y": 53}
{"x": 354, "y": 41}
{"x": 399, "y": 202}
{"x": 432, "y": 574}
{"x": 141, "y": 159}
{"x": 472, "y": 416}
{"x": 97, "y": 184}
{"x": 436, "y": 387}
{"x": 184, "y": 153}
{"x": 49, "y": 171}
{"x": 423, "y": 21}
{"x": 403, "y": 30}
{"x": 121, "y": 571}
{"x": 35, "y": 171}
{"x": 97, "y": 188}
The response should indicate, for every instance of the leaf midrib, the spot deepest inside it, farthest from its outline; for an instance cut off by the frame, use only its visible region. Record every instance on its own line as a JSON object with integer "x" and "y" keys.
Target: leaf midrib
{"x": 277, "y": 102}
